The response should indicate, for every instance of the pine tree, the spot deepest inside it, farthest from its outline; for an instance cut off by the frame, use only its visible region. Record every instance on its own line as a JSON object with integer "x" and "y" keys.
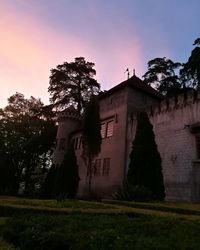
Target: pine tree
{"x": 73, "y": 83}
{"x": 67, "y": 179}
{"x": 145, "y": 162}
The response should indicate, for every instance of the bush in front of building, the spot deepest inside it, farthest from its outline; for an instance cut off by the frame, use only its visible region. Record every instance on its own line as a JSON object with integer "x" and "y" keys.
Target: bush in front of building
{"x": 145, "y": 168}
{"x": 47, "y": 190}
{"x": 67, "y": 177}
{"x": 133, "y": 193}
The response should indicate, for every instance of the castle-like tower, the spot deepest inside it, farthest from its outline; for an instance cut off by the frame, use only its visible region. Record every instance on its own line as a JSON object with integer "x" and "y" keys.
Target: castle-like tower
{"x": 69, "y": 121}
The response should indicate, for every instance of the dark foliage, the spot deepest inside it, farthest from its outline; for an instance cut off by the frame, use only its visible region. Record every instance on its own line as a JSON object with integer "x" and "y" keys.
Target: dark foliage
{"x": 173, "y": 78}
{"x": 92, "y": 128}
{"x": 26, "y": 144}
{"x": 67, "y": 178}
{"x": 162, "y": 75}
{"x": 6, "y": 175}
{"x": 73, "y": 83}
{"x": 133, "y": 193}
{"x": 47, "y": 190}
{"x": 191, "y": 69}
{"x": 91, "y": 135}
{"x": 145, "y": 163}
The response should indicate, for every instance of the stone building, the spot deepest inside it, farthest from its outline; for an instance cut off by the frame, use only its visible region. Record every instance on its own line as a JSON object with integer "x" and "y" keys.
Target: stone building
{"x": 176, "y": 125}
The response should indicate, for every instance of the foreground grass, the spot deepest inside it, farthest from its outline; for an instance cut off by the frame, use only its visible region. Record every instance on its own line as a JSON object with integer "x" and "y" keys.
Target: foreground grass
{"x": 101, "y": 232}
{"x": 47, "y": 224}
{"x": 3, "y": 244}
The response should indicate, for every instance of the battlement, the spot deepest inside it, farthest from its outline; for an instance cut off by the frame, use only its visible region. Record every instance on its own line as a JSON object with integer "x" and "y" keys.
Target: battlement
{"x": 68, "y": 115}
{"x": 174, "y": 103}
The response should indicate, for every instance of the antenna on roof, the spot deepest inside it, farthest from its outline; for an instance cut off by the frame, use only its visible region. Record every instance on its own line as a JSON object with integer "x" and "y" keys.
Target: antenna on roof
{"x": 128, "y": 73}
{"x": 133, "y": 72}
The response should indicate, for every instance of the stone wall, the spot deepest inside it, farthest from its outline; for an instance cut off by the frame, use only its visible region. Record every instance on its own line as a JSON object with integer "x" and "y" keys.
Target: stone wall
{"x": 172, "y": 120}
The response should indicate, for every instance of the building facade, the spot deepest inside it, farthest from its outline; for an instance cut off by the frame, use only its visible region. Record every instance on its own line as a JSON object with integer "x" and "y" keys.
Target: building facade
{"x": 175, "y": 123}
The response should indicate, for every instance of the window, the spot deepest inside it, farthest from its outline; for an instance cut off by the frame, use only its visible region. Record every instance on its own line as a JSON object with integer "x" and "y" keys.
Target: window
{"x": 103, "y": 130}
{"x": 107, "y": 129}
{"x": 106, "y": 166}
{"x": 97, "y": 167}
{"x": 62, "y": 144}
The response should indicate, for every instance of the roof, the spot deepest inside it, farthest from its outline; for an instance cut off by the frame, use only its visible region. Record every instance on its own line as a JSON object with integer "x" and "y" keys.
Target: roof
{"x": 136, "y": 83}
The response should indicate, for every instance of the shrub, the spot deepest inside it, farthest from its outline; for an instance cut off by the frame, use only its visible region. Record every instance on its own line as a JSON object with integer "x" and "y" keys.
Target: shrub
{"x": 145, "y": 168}
{"x": 67, "y": 178}
{"x": 133, "y": 193}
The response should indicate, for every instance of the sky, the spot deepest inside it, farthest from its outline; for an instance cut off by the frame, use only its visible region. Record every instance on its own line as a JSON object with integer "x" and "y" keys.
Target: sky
{"x": 37, "y": 35}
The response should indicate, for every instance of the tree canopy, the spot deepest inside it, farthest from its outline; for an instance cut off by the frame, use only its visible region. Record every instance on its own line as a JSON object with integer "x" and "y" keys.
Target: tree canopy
{"x": 172, "y": 78}
{"x": 73, "y": 83}
{"x": 27, "y": 139}
{"x": 162, "y": 75}
{"x": 191, "y": 69}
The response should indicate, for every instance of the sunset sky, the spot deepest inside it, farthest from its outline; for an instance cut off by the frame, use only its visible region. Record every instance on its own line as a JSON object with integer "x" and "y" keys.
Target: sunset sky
{"x": 37, "y": 35}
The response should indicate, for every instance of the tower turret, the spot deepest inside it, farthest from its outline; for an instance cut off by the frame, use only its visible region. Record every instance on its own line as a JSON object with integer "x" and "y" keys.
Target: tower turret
{"x": 69, "y": 121}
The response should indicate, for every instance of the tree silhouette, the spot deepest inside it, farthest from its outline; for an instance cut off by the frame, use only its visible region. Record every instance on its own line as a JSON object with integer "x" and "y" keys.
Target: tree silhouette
{"x": 145, "y": 163}
{"x": 67, "y": 178}
{"x": 191, "y": 70}
{"x": 162, "y": 75}
{"x": 26, "y": 139}
{"x": 73, "y": 83}
{"x": 91, "y": 135}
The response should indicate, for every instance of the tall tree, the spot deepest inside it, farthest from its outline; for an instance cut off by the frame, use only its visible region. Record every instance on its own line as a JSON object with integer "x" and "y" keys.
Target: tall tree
{"x": 26, "y": 138}
{"x": 145, "y": 162}
{"x": 162, "y": 75}
{"x": 73, "y": 83}
{"x": 191, "y": 70}
{"x": 47, "y": 188}
{"x": 67, "y": 178}
{"x": 91, "y": 135}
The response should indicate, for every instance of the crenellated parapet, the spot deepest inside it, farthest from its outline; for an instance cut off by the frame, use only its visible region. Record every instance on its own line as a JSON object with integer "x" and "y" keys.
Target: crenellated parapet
{"x": 174, "y": 103}
{"x": 69, "y": 113}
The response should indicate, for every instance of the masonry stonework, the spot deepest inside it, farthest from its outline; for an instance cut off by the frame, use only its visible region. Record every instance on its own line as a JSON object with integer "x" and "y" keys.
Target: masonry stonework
{"x": 173, "y": 121}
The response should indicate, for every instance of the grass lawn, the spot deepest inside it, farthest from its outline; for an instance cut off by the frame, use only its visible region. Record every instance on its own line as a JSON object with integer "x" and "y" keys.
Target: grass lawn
{"x": 92, "y": 225}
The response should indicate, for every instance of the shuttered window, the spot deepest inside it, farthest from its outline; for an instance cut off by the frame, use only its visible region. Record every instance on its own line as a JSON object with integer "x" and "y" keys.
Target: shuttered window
{"x": 103, "y": 130}
{"x": 107, "y": 128}
{"x": 109, "y": 131}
